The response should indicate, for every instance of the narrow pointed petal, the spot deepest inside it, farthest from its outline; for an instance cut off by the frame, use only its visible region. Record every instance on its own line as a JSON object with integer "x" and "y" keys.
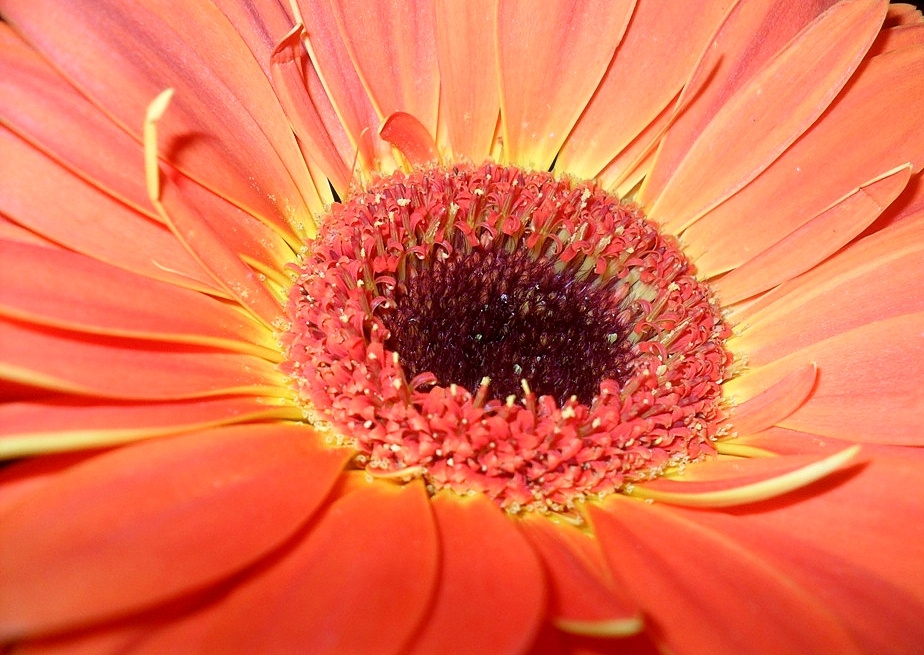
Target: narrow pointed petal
{"x": 249, "y": 156}
{"x": 550, "y": 63}
{"x": 50, "y": 426}
{"x": 732, "y": 483}
{"x": 885, "y": 98}
{"x": 358, "y": 582}
{"x": 584, "y": 598}
{"x": 872, "y": 280}
{"x": 471, "y": 103}
{"x": 75, "y": 215}
{"x": 354, "y": 111}
{"x": 668, "y": 563}
{"x": 127, "y": 369}
{"x": 79, "y": 293}
{"x": 750, "y": 35}
{"x": 766, "y": 406}
{"x": 125, "y": 530}
{"x": 10, "y": 231}
{"x": 643, "y": 78}
{"x": 38, "y": 104}
{"x": 290, "y": 67}
{"x": 769, "y": 113}
{"x": 212, "y": 251}
{"x": 393, "y": 47}
{"x": 813, "y": 242}
{"x": 410, "y": 137}
{"x": 863, "y": 393}
{"x": 490, "y": 596}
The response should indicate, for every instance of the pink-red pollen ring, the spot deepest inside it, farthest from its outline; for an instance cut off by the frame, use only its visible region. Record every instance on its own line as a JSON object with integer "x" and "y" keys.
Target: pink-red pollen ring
{"x": 408, "y": 239}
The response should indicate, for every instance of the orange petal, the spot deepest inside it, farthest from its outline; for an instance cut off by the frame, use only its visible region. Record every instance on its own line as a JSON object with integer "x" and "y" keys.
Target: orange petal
{"x": 125, "y": 530}
{"x": 393, "y": 47}
{"x": 127, "y": 369}
{"x": 691, "y": 583}
{"x": 39, "y": 105}
{"x": 584, "y": 598}
{"x": 209, "y": 247}
{"x": 885, "y": 98}
{"x": 74, "y": 214}
{"x": 290, "y": 68}
{"x": 872, "y": 280}
{"x": 765, "y": 406}
{"x": 846, "y": 518}
{"x": 56, "y": 425}
{"x": 227, "y": 129}
{"x": 641, "y": 81}
{"x": 358, "y": 582}
{"x": 410, "y": 137}
{"x": 354, "y": 112}
{"x": 868, "y": 383}
{"x": 813, "y": 242}
{"x": 728, "y": 483}
{"x": 768, "y": 113}
{"x": 750, "y": 35}
{"x": 881, "y": 617}
{"x": 490, "y": 596}
{"x": 9, "y": 231}
{"x": 551, "y": 59}
{"x": 469, "y": 101}
{"x": 80, "y": 293}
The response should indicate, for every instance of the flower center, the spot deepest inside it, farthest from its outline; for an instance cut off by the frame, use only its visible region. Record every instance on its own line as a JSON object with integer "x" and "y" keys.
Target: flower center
{"x": 505, "y": 332}
{"x": 489, "y": 313}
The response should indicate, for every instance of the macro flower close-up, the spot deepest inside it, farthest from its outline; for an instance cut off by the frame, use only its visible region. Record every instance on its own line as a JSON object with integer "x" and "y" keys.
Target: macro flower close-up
{"x": 484, "y": 326}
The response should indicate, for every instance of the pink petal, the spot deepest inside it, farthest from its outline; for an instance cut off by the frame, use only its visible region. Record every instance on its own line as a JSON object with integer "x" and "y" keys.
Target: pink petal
{"x": 768, "y": 113}
{"x": 846, "y": 519}
{"x": 211, "y": 249}
{"x": 733, "y": 482}
{"x": 352, "y": 111}
{"x": 125, "y": 530}
{"x": 38, "y": 104}
{"x": 551, "y": 60}
{"x": 705, "y": 594}
{"x": 358, "y": 582}
{"x": 882, "y": 618}
{"x": 490, "y": 596}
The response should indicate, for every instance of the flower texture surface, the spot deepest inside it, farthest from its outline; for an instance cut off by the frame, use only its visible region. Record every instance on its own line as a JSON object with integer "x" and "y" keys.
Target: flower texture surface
{"x": 366, "y": 326}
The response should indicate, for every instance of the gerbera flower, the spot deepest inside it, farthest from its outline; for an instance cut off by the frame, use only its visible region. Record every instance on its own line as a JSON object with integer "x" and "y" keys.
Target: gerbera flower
{"x": 447, "y": 327}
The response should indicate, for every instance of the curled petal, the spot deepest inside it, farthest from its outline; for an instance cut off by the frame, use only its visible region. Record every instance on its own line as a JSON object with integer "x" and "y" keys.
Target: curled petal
{"x": 748, "y": 481}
